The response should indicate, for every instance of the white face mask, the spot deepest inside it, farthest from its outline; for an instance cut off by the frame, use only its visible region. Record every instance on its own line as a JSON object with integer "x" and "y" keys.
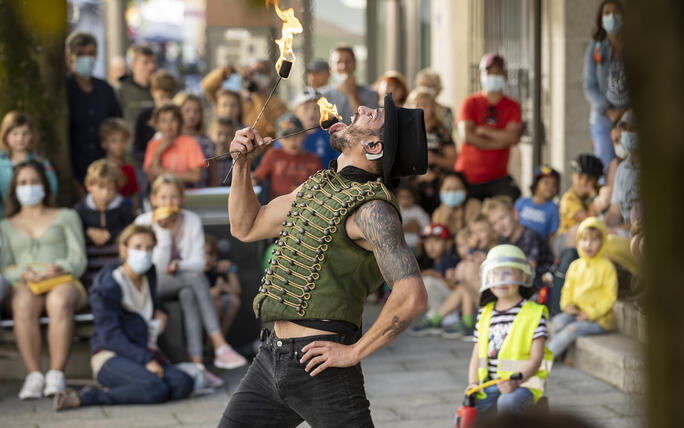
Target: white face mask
{"x": 139, "y": 260}
{"x": 492, "y": 82}
{"x": 30, "y": 194}
{"x": 620, "y": 151}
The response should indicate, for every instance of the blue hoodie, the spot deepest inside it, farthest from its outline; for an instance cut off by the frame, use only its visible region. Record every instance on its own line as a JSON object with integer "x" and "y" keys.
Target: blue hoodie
{"x": 117, "y": 329}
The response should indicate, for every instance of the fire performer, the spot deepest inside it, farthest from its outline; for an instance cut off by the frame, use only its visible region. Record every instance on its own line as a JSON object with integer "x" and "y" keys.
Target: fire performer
{"x": 339, "y": 236}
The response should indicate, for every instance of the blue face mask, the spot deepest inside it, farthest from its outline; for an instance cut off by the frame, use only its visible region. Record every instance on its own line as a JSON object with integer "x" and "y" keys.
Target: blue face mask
{"x": 139, "y": 260}
{"x": 452, "y": 198}
{"x": 492, "y": 82}
{"x": 30, "y": 195}
{"x": 630, "y": 141}
{"x": 85, "y": 65}
{"x": 612, "y": 23}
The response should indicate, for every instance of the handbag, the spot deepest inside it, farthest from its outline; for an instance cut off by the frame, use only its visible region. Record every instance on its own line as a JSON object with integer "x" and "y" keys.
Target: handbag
{"x": 45, "y": 285}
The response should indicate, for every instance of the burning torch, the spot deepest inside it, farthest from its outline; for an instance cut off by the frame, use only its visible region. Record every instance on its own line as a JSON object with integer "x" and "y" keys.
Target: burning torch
{"x": 291, "y": 26}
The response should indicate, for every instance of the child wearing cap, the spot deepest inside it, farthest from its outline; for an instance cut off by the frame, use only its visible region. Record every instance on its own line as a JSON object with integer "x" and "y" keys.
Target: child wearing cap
{"x": 589, "y": 292}
{"x": 577, "y": 203}
{"x": 317, "y": 141}
{"x": 539, "y": 212}
{"x": 510, "y": 335}
{"x": 289, "y": 166}
{"x": 437, "y": 244}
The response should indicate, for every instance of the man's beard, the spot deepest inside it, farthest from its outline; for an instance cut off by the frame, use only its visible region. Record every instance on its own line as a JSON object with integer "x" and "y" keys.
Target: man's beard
{"x": 338, "y": 142}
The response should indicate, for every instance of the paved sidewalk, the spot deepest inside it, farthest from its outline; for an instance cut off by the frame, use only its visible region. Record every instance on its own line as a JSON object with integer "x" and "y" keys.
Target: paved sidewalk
{"x": 413, "y": 382}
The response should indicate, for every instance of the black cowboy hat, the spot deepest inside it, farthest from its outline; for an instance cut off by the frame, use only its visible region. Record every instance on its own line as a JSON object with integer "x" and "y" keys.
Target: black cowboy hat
{"x": 404, "y": 142}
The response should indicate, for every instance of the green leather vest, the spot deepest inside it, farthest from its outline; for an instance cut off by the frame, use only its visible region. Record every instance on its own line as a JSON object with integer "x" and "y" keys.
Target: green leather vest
{"x": 316, "y": 271}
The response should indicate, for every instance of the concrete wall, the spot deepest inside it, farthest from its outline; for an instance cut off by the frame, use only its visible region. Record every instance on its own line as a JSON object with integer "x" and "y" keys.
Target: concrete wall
{"x": 566, "y": 33}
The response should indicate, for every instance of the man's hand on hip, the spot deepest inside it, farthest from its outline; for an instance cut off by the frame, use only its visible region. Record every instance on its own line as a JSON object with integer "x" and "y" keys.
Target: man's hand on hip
{"x": 322, "y": 354}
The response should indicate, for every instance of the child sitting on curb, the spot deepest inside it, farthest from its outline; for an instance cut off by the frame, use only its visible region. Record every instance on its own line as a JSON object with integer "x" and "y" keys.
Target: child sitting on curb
{"x": 590, "y": 290}
{"x": 504, "y": 220}
{"x": 539, "y": 212}
{"x": 578, "y": 202}
{"x": 224, "y": 284}
{"x": 510, "y": 336}
{"x": 437, "y": 243}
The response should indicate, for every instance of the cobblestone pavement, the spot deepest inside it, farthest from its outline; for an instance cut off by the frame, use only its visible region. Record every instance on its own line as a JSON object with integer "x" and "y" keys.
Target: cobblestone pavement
{"x": 412, "y": 382}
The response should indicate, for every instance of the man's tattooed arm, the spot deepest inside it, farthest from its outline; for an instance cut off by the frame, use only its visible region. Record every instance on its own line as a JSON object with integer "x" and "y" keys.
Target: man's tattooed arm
{"x": 381, "y": 227}
{"x": 397, "y": 327}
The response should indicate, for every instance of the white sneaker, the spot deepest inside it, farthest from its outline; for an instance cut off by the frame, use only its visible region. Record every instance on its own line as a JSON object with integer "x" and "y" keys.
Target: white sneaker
{"x": 33, "y": 386}
{"x": 54, "y": 383}
{"x": 226, "y": 358}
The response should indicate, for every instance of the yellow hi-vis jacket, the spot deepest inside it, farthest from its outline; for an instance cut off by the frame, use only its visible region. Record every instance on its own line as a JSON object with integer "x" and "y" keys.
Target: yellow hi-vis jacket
{"x": 515, "y": 350}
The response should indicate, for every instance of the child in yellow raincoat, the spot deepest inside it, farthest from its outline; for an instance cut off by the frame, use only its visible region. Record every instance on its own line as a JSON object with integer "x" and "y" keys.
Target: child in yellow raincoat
{"x": 589, "y": 292}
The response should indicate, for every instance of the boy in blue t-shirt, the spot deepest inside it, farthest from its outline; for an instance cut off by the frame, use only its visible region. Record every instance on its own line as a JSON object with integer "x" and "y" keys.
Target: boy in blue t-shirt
{"x": 539, "y": 212}
{"x": 317, "y": 141}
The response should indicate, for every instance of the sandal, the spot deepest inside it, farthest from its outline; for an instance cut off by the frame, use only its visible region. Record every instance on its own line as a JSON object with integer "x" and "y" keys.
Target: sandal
{"x": 66, "y": 399}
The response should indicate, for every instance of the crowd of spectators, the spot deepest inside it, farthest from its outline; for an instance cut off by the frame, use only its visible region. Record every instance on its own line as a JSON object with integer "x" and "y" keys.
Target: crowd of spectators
{"x": 129, "y": 244}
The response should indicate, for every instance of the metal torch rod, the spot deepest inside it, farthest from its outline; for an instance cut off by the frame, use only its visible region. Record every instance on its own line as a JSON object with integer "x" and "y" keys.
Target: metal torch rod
{"x": 263, "y": 108}
{"x": 225, "y": 155}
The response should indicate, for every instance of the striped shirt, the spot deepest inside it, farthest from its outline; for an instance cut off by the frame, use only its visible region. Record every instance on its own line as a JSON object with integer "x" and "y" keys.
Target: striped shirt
{"x": 499, "y": 327}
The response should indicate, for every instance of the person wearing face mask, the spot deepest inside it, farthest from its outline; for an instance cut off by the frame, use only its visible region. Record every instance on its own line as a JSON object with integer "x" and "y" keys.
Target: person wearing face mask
{"x": 605, "y": 49}
{"x": 91, "y": 101}
{"x": 626, "y": 186}
{"x": 41, "y": 242}
{"x": 125, "y": 359}
{"x": 456, "y": 209}
{"x": 344, "y": 91}
{"x": 259, "y": 80}
{"x": 488, "y": 125}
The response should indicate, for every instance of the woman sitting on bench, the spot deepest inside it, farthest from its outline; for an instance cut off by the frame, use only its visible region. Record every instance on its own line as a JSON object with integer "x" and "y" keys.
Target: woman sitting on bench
{"x": 43, "y": 255}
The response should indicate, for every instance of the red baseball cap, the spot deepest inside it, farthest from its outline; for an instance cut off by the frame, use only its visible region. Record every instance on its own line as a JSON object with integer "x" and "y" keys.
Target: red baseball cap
{"x": 491, "y": 59}
{"x": 436, "y": 230}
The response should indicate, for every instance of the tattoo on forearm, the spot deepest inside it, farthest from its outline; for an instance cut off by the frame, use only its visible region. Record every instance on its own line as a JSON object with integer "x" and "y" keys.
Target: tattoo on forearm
{"x": 382, "y": 228}
{"x": 397, "y": 327}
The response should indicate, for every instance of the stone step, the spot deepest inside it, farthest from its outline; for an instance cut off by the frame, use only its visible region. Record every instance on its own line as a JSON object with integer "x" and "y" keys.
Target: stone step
{"x": 614, "y": 358}
{"x": 629, "y": 319}
{"x": 12, "y": 367}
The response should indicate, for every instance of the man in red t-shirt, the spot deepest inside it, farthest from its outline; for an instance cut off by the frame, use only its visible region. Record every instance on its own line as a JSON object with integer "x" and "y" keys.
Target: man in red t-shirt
{"x": 488, "y": 125}
{"x": 289, "y": 166}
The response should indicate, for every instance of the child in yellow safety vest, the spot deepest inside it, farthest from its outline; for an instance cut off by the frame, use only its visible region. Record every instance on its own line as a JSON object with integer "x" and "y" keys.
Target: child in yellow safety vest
{"x": 510, "y": 334}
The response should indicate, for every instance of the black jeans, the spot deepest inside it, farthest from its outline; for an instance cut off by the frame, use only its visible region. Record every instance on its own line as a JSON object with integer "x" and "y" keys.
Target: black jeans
{"x": 277, "y": 392}
{"x": 500, "y": 186}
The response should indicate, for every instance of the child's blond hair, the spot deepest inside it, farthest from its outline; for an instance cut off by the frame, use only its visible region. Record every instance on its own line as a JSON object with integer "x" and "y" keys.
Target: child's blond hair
{"x": 167, "y": 179}
{"x": 135, "y": 229}
{"x": 500, "y": 201}
{"x": 111, "y": 126}
{"x": 103, "y": 172}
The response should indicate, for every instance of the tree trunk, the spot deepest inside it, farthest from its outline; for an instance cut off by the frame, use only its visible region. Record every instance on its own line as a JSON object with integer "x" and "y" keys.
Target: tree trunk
{"x": 33, "y": 76}
{"x": 654, "y": 57}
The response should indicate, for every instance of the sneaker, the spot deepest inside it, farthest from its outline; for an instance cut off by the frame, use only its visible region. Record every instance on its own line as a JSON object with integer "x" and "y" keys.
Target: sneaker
{"x": 54, "y": 383}
{"x": 33, "y": 386}
{"x": 227, "y": 358}
{"x": 468, "y": 334}
{"x": 424, "y": 328}
{"x": 457, "y": 331}
{"x": 212, "y": 381}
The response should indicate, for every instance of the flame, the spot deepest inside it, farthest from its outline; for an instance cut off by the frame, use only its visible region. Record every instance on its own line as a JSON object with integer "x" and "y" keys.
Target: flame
{"x": 291, "y": 26}
{"x": 327, "y": 110}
